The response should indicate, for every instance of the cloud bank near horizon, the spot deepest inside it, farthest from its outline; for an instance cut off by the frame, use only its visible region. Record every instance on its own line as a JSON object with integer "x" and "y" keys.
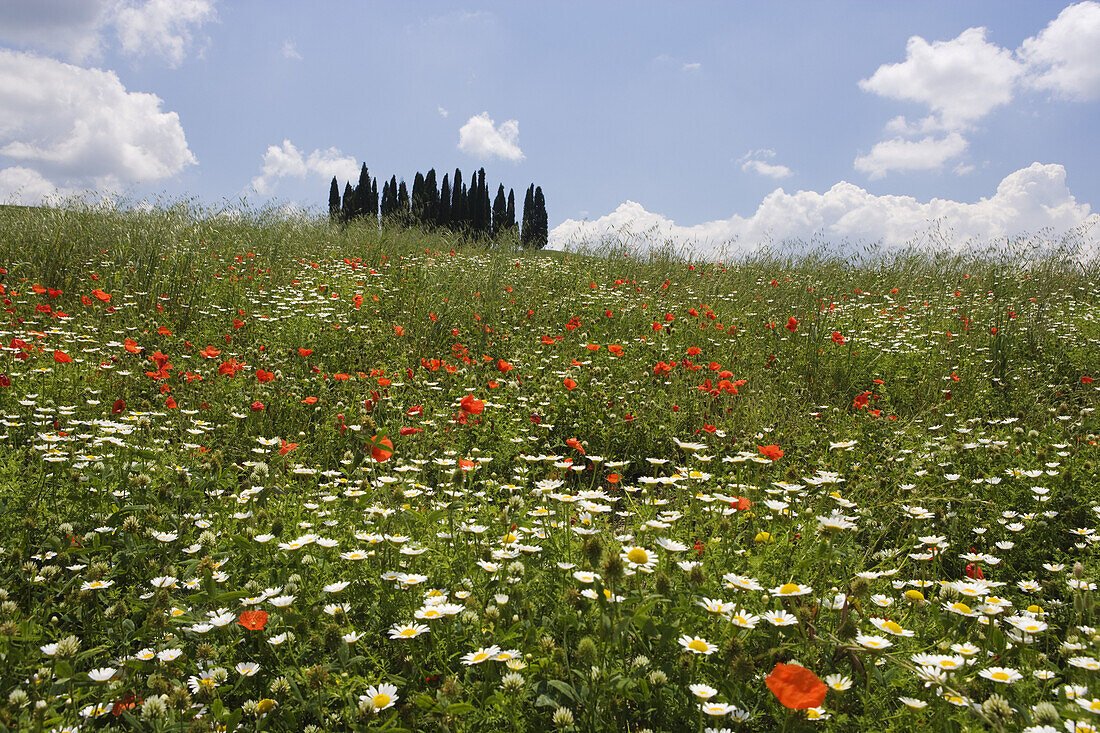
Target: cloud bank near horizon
{"x": 1031, "y": 200}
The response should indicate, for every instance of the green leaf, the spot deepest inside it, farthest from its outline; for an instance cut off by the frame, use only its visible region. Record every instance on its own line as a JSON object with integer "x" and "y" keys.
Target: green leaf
{"x": 564, "y": 688}
{"x": 460, "y": 708}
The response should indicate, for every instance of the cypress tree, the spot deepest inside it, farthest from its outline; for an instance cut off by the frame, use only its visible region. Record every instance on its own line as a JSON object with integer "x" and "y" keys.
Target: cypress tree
{"x": 334, "y": 199}
{"x": 374, "y": 199}
{"x": 542, "y": 223}
{"x": 402, "y": 203}
{"x": 527, "y": 233}
{"x": 362, "y": 194}
{"x": 500, "y": 207}
{"x": 458, "y": 203}
{"x": 392, "y": 208}
{"x": 443, "y": 218}
{"x": 384, "y": 211}
{"x": 510, "y": 213}
{"x": 345, "y": 207}
{"x": 417, "y": 203}
{"x": 483, "y": 202}
{"x": 431, "y": 199}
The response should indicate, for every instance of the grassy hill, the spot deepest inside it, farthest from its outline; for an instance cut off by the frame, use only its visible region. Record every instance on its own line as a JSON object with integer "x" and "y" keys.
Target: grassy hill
{"x": 535, "y": 489}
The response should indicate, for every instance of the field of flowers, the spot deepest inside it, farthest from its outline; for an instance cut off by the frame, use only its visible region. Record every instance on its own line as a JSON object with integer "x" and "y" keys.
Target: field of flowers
{"x": 269, "y": 474}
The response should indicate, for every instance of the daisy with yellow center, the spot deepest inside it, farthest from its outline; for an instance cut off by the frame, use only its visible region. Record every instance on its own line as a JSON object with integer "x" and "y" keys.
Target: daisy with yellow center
{"x": 379, "y": 698}
{"x": 890, "y": 627}
{"x": 791, "y": 589}
{"x": 1003, "y": 675}
{"x": 480, "y": 655}
{"x": 697, "y": 645}
{"x": 407, "y": 631}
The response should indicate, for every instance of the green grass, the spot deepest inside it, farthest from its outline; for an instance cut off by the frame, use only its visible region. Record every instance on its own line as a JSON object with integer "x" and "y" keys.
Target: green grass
{"x": 934, "y": 412}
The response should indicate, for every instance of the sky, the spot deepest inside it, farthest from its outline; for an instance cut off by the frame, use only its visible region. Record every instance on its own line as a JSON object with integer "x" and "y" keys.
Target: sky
{"x": 715, "y": 126}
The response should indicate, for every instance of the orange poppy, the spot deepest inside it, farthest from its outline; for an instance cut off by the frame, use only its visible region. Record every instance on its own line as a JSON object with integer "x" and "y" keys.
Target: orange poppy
{"x": 305, "y": 352}
{"x": 574, "y": 443}
{"x": 253, "y": 620}
{"x": 569, "y": 384}
{"x": 102, "y": 296}
{"x": 796, "y": 687}
{"x": 773, "y": 452}
{"x": 381, "y": 449}
{"x": 309, "y": 401}
{"x": 472, "y": 405}
{"x": 209, "y": 352}
{"x": 264, "y": 376}
{"x": 61, "y": 357}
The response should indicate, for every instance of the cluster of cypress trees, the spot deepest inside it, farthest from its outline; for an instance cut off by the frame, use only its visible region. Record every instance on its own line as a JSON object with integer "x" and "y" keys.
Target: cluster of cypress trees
{"x": 447, "y": 205}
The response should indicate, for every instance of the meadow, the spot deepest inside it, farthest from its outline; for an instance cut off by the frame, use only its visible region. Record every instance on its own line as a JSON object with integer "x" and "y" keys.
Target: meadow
{"x": 260, "y": 473}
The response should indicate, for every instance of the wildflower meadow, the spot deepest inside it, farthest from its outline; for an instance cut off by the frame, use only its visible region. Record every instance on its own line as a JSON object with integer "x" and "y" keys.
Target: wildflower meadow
{"x": 268, "y": 473}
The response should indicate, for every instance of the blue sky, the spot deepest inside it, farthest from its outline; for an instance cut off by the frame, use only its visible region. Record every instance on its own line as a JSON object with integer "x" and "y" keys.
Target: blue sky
{"x": 694, "y": 113}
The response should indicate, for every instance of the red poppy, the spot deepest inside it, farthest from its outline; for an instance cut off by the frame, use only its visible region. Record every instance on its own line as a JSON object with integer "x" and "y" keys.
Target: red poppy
{"x": 773, "y": 452}
{"x": 503, "y": 366}
{"x": 838, "y": 338}
{"x": 694, "y": 351}
{"x": 264, "y": 376}
{"x": 163, "y": 331}
{"x": 237, "y": 323}
{"x": 1087, "y": 380}
{"x": 574, "y": 443}
{"x": 61, "y": 357}
{"x": 569, "y": 384}
{"x": 410, "y": 431}
{"x": 612, "y": 478}
{"x": 792, "y": 324}
{"x": 309, "y": 401}
{"x": 472, "y": 405}
{"x": 305, "y": 352}
{"x": 796, "y": 687}
{"x": 399, "y": 331}
{"x": 209, "y": 352}
{"x": 170, "y": 403}
{"x": 615, "y": 349}
{"x": 253, "y": 620}
{"x": 257, "y": 406}
{"x": 118, "y": 407}
{"x": 381, "y": 449}
{"x": 102, "y": 296}
{"x": 286, "y": 447}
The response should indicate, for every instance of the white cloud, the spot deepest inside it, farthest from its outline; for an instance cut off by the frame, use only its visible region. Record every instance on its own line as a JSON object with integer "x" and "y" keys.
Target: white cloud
{"x": 961, "y": 80}
{"x": 287, "y": 161}
{"x": 162, "y": 27}
{"x": 19, "y": 185}
{"x": 751, "y": 162}
{"x": 481, "y": 139}
{"x": 1065, "y": 56}
{"x": 766, "y": 169}
{"x": 964, "y": 79}
{"x": 82, "y": 126}
{"x": 1027, "y": 201}
{"x": 898, "y": 154}
{"x": 442, "y": 112}
{"x": 691, "y": 66}
{"x": 290, "y": 51}
{"x": 77, "y": 29}
{"x": 71, "y": 28}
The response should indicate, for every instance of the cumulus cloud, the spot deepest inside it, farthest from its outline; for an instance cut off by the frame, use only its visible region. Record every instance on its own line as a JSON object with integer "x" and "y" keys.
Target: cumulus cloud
{"x": 19, "y": 185}
{"x": 482, "y": 139}
{"x": 1064, "y": 57}
{"x": 68, "y": 27}
{"x": 287, "y": 161}
{"x": 82, "y": 126}
{"x": 899, "y": 154}
{"x": 1029, "y": 200}
{"x": 78, "y": 30}
{"x": 161, "y": 27}
{"x": 962, "y": 80}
